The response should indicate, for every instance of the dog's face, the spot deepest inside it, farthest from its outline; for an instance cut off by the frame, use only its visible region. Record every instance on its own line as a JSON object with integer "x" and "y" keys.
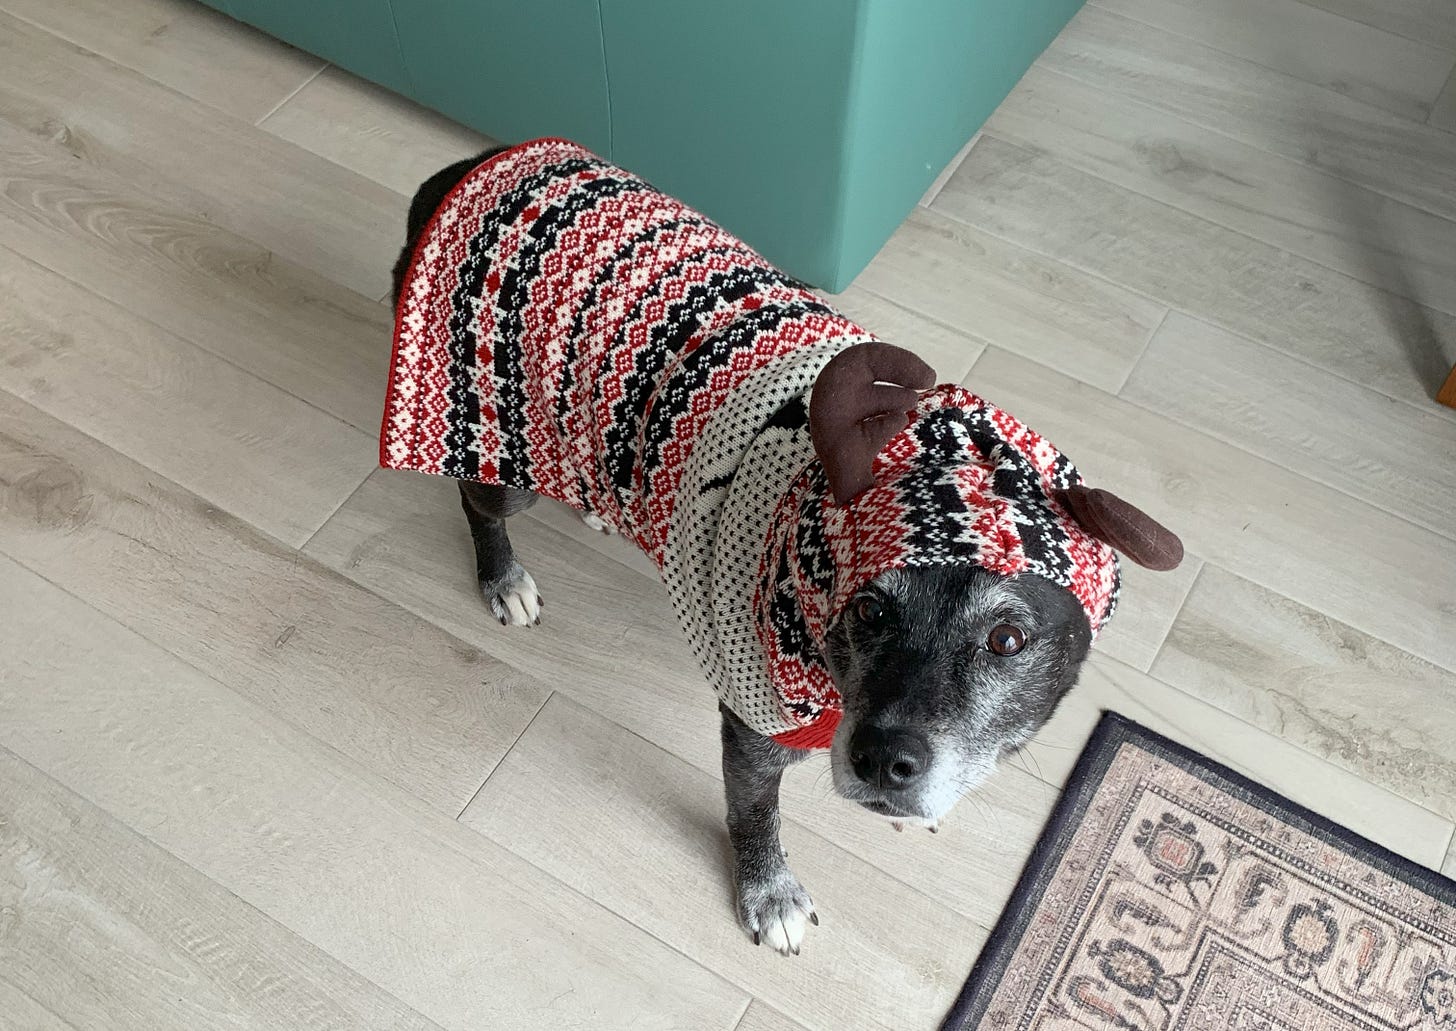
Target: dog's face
{"x": 942, "y": 671}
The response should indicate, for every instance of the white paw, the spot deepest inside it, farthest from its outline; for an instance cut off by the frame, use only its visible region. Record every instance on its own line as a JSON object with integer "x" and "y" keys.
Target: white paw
{"x": 513, "y": 599}
{"x": 776, "y": 911}
{"x": 594, "y": 522}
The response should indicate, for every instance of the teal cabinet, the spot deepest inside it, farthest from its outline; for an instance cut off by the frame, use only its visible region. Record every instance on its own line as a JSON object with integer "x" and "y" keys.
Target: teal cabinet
{"x": 808, "y": 127}
{"x": 740, "y": 110}
{"x": 811, "y": 128}
{"x": 514, "y": 69}
{"x": 928, "y": 75}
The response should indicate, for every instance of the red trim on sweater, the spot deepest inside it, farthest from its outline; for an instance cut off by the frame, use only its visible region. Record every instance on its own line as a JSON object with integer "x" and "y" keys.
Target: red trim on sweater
{"x": 812, "y": 736}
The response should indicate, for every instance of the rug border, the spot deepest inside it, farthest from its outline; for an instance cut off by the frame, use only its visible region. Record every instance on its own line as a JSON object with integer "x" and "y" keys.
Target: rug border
{"x": 1112, "y": 731}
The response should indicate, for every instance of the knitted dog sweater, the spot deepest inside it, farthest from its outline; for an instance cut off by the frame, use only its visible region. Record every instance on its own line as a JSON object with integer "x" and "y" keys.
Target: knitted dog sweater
{"x": 566, "y": 329}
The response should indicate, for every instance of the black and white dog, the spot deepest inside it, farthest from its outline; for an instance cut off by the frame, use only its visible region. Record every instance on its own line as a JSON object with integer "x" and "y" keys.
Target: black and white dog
{"x": 568, "y": 331}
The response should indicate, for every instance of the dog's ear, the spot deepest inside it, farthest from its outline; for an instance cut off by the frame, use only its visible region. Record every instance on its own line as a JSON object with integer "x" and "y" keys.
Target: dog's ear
{"x": 862, "y": 398}
{"x": 1126, "y": 528}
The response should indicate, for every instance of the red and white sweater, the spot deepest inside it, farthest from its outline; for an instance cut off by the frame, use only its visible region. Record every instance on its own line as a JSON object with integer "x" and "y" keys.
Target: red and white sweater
{"x": 566, "y": 329}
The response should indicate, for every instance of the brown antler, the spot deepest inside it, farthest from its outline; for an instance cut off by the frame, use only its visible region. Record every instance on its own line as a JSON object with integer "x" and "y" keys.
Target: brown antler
{"x": 1128, "y": 529}
{"x": 861, "y": 399}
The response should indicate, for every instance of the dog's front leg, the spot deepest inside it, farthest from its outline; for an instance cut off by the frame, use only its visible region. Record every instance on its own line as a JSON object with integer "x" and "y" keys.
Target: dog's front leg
{"x": 772, "y": 904}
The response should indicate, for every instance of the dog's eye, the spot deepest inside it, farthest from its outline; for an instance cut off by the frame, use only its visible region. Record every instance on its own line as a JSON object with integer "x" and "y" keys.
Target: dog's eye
{"x": 1006, "y": 639}
{"x": 869, "y": 611}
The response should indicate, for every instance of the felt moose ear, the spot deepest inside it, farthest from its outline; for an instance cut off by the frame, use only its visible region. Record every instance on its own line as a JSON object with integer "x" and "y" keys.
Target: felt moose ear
{"x": 861, "y": 399}
{"x": 1129, "y": 530}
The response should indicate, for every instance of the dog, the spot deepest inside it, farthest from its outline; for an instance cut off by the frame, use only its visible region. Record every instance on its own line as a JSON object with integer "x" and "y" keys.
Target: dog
{"x": 863, "y": 562}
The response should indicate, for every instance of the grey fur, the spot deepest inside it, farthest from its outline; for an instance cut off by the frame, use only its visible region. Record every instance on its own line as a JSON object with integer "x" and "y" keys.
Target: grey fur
{"x": 771, "y": 901}
{"x": 502, "y": 579}
{"x": 928, "y": 669}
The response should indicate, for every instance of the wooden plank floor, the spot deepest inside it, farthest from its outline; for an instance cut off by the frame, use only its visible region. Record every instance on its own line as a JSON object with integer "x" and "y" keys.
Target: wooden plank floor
{"x": 264, "y": 761}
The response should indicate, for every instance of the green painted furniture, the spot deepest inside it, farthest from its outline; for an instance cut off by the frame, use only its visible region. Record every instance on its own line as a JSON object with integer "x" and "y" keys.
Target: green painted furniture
{"x": 808, "y": 127}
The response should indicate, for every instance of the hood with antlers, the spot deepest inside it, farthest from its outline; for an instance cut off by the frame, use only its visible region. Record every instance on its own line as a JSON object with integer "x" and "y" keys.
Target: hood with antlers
{"x": 918, "y": 479}
{"x": 914, "y": 475}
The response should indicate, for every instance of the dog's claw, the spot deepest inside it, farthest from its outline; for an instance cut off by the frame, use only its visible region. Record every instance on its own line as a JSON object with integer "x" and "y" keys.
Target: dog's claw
{"x": 897, "y": 824}
{"x": 775, "y": 910}
{"x": 513, "y": 598}
{"x": 814, "y": 919}
{"x": 934, "y": 828}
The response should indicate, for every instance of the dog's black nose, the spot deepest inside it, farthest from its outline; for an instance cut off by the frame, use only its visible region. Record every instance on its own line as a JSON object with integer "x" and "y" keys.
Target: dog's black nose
{"x": 888, "y": 757}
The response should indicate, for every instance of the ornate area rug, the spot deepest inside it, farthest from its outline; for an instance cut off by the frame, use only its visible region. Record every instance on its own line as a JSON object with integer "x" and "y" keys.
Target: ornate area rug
{"x": 1168, "y": 892}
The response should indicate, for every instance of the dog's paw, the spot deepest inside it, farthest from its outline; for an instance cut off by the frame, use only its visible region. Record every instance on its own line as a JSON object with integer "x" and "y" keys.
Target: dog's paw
{"x": 513, "y": 599}
{"x": 594, "y": 522}
{"x": 776, "y": 910}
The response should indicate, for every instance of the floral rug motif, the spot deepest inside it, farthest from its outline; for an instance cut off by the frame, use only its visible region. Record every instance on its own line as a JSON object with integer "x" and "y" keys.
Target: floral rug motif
{"x": 1169, "y": 893}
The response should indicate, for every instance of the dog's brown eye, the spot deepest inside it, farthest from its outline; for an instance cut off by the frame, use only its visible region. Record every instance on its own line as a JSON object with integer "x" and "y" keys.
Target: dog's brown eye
{"x": 1006, "y": 639}
{"x": 869, "y": 611}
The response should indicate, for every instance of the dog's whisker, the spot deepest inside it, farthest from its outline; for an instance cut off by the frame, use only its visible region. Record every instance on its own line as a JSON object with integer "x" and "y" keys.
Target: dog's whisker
{"x": 1039, "y": 775}
{"x": 1021, "y": 763}
{"x": 1045, "y": 744}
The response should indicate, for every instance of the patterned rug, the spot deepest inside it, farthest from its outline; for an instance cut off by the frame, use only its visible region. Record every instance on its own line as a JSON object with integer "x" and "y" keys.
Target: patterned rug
{"x": 1168, "y": 893}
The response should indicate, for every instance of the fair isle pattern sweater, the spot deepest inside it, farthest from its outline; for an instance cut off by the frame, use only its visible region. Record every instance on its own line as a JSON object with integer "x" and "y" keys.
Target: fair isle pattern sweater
{"x": 568, "y": 330}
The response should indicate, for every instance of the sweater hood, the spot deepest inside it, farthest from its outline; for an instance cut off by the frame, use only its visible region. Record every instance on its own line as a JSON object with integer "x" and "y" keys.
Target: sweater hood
{"x": 964, "y": 482}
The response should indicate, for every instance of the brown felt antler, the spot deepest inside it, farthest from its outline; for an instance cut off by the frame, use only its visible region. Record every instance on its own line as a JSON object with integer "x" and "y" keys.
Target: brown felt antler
{"x": 1128, "y": 529}
{"x": 861, "y": 399}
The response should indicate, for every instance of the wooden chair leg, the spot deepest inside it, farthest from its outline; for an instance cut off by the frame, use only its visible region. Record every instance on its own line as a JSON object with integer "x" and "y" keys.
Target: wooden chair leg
{"x": 1447, "y": 394}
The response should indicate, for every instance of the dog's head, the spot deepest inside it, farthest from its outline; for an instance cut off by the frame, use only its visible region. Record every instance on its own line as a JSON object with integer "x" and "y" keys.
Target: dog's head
{"x": 941, "y": 671}
{"x": 942, "y": 668}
